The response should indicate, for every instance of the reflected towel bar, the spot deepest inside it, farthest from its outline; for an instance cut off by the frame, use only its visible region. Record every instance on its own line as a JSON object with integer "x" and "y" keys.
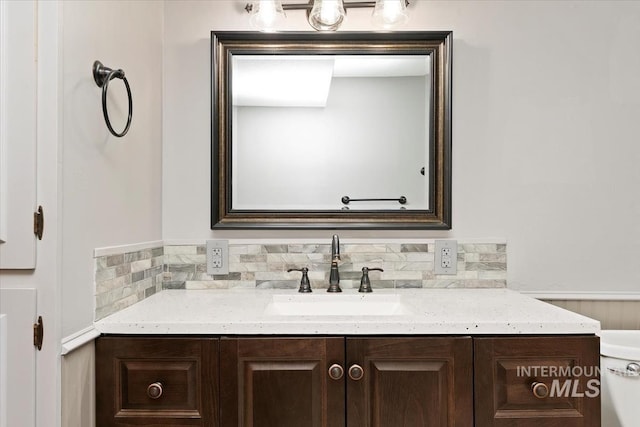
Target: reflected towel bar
{"x": 346, "y": 200}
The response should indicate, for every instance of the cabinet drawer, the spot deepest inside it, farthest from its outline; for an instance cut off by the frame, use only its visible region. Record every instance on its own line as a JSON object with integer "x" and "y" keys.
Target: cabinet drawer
{"x": 525, "y": 381}
{"x": 151, "y": 381}
{"x": 148, "y": 384}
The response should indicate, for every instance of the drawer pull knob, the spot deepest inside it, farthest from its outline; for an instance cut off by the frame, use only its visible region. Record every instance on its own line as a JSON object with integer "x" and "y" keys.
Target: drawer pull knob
{"x": 336, "y": 371}
{"x": 356, "y": 372}
{"x": 540, "y": 390}
{"x": 154, "y": 390}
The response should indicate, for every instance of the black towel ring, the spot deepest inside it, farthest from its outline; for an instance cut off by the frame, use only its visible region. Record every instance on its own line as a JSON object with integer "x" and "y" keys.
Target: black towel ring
{"x": 102, "y": 76}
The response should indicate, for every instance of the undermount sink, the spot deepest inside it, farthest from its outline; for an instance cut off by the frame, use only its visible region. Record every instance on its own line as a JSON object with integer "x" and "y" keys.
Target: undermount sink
{"x": 337, "y": 305}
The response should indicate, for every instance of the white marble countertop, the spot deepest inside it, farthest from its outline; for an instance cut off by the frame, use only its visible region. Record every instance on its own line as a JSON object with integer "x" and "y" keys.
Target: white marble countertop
{"x": 426, "y": 311}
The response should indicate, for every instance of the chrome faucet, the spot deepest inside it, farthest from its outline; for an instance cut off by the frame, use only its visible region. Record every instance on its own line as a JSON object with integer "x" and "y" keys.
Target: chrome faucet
{"x": 334, "y": 275}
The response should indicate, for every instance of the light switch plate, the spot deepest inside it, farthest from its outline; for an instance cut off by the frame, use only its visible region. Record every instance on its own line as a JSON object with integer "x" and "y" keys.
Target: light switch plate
{"x": 446, "y": 259}
{"x": 217, "y": 257}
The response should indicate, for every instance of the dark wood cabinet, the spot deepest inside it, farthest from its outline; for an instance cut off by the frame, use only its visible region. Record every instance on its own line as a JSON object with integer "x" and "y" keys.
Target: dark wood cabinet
{"x": 283, "y": 382}
{"x": 156, "y": 381}
{"x": 537, "y": 381}
{"x": 410, "y": 382}
{"x": 357, "y": 382}
{"x": 523, "y": 381}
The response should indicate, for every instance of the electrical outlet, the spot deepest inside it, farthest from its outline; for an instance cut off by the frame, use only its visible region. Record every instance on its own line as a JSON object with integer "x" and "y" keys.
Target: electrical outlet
{"x": 217, "y": 257}
{"x": 446, "y": 259}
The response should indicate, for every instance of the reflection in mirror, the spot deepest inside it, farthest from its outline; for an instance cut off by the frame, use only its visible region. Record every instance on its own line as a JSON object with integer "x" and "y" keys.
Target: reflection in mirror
{"x": 342, "y": 130}
{"x": 322, "y": 128}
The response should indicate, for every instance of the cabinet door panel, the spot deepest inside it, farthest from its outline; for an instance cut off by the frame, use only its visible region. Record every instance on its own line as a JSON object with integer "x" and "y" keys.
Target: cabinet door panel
{"x": 281, "y": 382}
{"x": 156, "y": 381}
{"x": 410, "y": 382}
{"x": 179, "y": 379}
{"x": 506, "y": 368}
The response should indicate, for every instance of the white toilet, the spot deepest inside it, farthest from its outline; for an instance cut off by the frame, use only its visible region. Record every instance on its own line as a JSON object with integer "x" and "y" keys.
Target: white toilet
{"x": 620, "y": 378}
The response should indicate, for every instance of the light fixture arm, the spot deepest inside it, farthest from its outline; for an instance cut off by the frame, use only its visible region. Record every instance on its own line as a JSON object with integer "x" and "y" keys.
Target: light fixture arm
{"x": 308, "y": 6}
{"x": 324, "y": 15}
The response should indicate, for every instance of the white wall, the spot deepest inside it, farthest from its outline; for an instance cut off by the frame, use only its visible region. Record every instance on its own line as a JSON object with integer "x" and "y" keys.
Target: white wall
{"x": 362, "y": 131}
{"x": 111, "y": 187}
{"x": 78, "y": 383}
{"x": 546, "y": 102}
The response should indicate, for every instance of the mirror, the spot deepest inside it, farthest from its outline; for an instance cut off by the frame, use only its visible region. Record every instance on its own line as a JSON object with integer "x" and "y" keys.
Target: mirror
{"x": 340, "y": 130}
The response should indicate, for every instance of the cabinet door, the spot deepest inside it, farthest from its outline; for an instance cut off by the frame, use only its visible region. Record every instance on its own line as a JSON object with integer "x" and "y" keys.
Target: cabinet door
{"x": 281, "y": 382}
{"x": 156, "y": 381}
{"x": 509, "y": 372}
{"x": 18, "y": 133}
{"x": 409, "y": 382}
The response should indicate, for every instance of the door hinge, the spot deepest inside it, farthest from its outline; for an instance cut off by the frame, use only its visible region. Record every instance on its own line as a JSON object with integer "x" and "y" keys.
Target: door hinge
{"x": 38, "y": 333}
{"x": 38, "y": 222}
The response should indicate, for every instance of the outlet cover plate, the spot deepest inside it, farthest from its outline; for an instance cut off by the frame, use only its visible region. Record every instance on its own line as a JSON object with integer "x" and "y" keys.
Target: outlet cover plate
{"x": 446, "y": 259}
{"x": 217, "y": 257}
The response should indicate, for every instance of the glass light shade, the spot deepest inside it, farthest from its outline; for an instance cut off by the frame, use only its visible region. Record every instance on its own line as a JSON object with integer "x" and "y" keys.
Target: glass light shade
{"x": 390, "y": 13}
{"x": 266, "y": 15}
{"x": 326, "y": 15}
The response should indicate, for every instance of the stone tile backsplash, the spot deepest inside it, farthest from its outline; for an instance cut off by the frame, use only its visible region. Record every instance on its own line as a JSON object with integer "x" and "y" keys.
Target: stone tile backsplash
{"x": 404, "y": 265}
{"x": 122, "y": 279}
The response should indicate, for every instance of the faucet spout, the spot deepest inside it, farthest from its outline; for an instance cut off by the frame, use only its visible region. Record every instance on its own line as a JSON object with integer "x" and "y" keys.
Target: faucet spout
{"x": 335, "y": 248}
{"x": 334, "y": 274}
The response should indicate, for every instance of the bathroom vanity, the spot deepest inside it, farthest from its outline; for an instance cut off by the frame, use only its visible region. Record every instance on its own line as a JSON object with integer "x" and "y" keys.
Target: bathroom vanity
{"x": 466, "y": 357}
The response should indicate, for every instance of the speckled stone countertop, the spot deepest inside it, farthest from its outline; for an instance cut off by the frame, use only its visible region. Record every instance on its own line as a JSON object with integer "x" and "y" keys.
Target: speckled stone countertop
{"x": 426, "y": 312}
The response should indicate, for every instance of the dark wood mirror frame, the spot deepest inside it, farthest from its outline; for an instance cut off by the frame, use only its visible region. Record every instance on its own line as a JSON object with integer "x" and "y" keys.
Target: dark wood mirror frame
{"x": 437, "y": 44}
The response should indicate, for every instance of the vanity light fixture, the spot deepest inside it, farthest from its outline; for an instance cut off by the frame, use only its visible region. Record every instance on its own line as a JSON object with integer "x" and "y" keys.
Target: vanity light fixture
{"x": 390, "y": 13}
{"x": 266, "y": 15}
{"x": 326, "y": 15}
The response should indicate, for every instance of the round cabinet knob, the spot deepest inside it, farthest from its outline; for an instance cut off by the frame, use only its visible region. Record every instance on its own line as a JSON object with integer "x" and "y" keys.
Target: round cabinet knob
{"x": 356, "y": 372}
{"x": 154, "y": 390}
{"x": 336, "y": 372}
{"x": 540, "y": 390}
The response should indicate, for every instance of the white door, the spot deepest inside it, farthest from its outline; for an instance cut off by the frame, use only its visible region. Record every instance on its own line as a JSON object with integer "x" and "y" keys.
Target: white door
{"x": 18, "y": 125}
{"x": 17, "y": 357}
{"x": 28, "y": 84}
{"x": 3, "y": 370}
{"x": 18, "y": 85}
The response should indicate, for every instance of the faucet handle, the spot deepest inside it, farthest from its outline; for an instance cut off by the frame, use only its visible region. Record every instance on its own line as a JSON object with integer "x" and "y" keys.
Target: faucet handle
{"x": 305, "y": 286}
{"x": 365, "y": 283}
